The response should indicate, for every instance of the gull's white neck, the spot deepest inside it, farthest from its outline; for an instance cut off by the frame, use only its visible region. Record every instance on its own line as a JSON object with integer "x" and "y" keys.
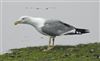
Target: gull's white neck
{"x": 38, "y": 22}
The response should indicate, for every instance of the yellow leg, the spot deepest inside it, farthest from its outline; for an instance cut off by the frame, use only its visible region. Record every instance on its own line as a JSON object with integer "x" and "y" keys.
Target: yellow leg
{"x": 49, "y": 42}
{"x": 50, "y": 46}
{"x": 53, "y": 42}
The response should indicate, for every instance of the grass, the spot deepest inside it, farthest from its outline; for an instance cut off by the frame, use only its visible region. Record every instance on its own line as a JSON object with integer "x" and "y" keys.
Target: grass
{"x": 82, "y": 52}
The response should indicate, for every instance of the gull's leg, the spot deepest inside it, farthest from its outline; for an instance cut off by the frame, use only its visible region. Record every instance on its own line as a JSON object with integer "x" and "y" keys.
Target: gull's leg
{"x": 49, "y": 42}
{"x": 53, "y": 41}
{"x": 49, "y": 46}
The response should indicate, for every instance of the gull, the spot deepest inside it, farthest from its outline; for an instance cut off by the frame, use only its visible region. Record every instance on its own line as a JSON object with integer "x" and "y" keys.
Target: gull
{"x": 51, "y": 28}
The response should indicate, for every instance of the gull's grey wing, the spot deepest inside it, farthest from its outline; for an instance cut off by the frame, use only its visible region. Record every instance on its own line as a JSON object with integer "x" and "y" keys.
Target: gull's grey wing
{"x": 56, "y": 28}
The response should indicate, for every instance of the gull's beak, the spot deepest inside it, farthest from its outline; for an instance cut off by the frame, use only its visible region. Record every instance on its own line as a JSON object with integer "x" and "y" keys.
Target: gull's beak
{"x": 17, "y": 22}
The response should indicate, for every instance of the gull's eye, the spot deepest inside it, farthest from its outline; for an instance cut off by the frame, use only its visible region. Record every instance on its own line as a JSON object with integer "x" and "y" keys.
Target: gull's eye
{"x": 23, "y": 18}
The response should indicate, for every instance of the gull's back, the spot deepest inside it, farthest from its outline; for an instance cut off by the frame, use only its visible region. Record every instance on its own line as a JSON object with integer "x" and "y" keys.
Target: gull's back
{"x": 56, "y": 28}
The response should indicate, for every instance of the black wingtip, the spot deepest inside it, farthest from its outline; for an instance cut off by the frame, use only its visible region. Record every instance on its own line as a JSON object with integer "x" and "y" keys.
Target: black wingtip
{"x": 82, "y": 31}
{"x": 78, "y": 31}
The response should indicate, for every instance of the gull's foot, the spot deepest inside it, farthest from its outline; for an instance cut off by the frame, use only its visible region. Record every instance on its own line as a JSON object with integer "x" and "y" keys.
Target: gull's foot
{"x": 49, "y": 48}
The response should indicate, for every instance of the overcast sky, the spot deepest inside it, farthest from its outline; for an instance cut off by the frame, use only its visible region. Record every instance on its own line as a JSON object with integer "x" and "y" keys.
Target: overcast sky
{"x": 79, "y": 14}
{"x": 50, "y": 0}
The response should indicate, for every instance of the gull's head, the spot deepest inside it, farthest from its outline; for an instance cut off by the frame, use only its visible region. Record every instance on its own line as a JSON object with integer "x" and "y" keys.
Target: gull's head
{"x": 30, "y": 20}
{"x": 23, "y": 20}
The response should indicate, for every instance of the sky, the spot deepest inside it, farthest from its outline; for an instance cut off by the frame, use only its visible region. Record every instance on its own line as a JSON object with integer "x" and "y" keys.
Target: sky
{"x": 79, "y": 14}
{"x": 50, "y": 0}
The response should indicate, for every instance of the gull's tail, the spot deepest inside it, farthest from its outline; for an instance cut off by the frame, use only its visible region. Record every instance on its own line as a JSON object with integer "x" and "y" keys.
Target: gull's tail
{"x": 81, "y": 31}
{"x": 78, "y": 31}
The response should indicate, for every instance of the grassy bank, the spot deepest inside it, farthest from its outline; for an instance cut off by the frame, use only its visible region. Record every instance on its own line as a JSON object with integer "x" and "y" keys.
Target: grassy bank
{"x": 82, "y": 52}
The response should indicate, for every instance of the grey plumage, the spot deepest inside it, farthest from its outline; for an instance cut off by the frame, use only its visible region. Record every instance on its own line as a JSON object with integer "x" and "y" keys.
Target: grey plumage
{"x": 56, "y": 28}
